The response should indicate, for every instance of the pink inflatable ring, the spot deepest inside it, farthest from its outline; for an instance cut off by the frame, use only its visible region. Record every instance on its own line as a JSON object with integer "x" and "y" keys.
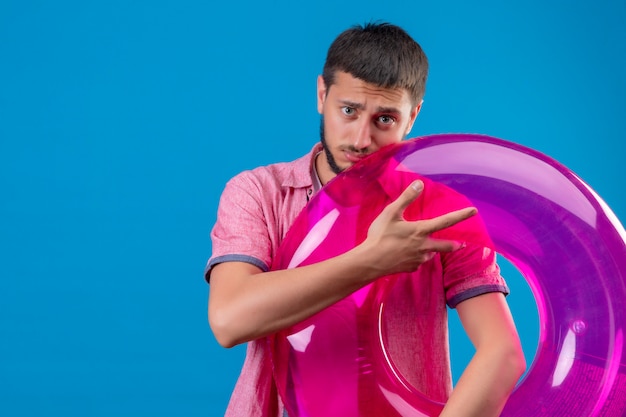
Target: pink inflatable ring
{"x": 552, "y": 226}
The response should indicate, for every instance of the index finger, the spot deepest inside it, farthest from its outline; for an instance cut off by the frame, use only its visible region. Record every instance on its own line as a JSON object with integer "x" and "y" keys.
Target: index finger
{"x": 409, "y": 195}
{"x": 446, "y": 220}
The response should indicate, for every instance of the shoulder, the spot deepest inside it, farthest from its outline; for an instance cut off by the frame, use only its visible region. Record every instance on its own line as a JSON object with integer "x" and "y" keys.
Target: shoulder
{"x": 292, "y": 174}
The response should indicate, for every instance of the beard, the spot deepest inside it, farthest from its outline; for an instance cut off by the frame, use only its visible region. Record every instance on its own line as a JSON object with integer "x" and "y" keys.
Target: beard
{"x": 329, "y": 156}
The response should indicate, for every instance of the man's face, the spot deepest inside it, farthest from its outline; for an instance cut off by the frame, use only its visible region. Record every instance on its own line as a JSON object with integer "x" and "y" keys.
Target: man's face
{"x": 357, "y": 119}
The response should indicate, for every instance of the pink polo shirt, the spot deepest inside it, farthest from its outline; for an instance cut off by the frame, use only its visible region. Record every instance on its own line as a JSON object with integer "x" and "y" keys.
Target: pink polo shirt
{"x": 256, "y": 210}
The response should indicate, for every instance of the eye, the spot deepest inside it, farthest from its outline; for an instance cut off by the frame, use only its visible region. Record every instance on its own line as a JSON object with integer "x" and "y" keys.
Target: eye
{"x": 348, "y": 111}
{"x": 386, "y": 119}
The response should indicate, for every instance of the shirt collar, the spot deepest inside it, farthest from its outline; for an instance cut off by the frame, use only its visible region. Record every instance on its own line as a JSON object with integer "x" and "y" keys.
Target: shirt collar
{"x": 303, "y": 172}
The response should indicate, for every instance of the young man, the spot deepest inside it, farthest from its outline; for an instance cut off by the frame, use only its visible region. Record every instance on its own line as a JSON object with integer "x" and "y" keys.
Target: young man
{"x": 369, "y": 96}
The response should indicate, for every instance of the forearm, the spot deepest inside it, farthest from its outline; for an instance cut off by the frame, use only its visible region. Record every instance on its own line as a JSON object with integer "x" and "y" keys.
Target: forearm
{"x": 264, "y": 303}
{"x": 486, "y": 383}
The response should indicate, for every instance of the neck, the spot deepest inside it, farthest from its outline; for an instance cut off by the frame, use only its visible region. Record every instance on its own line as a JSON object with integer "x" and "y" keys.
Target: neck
{"x": 322, "y": 167}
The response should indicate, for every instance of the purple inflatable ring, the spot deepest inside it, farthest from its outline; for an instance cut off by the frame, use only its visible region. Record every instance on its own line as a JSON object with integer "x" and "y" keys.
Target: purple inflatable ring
{"x": 554, "y": 228}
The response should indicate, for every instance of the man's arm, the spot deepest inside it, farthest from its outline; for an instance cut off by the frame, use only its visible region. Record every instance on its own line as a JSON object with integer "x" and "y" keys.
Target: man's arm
{"x": 245, "y": 303}
{"x": 498, "y": 363}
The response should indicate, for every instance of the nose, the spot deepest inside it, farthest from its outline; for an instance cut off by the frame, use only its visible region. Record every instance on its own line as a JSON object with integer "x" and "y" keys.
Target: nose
{"x": 363, "y": 138}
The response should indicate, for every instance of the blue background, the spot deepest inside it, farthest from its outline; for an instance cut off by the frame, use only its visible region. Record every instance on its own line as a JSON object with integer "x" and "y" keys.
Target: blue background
{"x": 121, "y": 121}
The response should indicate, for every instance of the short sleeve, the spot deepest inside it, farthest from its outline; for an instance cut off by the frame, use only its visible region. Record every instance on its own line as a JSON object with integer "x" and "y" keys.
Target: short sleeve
{"x": 469, "y": 272}
{"x": 240, "y": 232}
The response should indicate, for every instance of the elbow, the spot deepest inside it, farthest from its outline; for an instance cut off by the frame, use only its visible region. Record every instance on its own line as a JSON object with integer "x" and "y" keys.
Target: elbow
{"x": 519, "y": 364}
{"x": 515, "y": 362}
{"x": 223, "y": 338}
{"x": 224, "y": 329}
{"x": 508, "y": 365}
{"x": 519, "y": 360}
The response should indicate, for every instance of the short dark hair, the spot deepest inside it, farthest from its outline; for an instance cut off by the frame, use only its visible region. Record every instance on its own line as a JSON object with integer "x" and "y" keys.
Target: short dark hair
{"x": 381, "y": 54}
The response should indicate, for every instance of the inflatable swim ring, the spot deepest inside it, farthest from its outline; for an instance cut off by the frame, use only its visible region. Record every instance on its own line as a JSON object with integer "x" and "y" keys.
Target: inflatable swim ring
{"x": 561, "y": 236}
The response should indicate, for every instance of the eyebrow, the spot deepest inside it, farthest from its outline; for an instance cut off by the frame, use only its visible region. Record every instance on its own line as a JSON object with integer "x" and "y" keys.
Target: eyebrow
{"x": 360, "y": 106}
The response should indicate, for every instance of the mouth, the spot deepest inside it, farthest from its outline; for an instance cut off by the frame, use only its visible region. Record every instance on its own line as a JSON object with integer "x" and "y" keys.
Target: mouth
{"x": 352, "y": 156}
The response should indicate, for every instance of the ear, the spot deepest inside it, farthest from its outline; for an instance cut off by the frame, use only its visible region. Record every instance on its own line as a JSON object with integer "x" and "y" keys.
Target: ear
{"x": 414, "y": 112}
{"x": 321, "y": 94}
